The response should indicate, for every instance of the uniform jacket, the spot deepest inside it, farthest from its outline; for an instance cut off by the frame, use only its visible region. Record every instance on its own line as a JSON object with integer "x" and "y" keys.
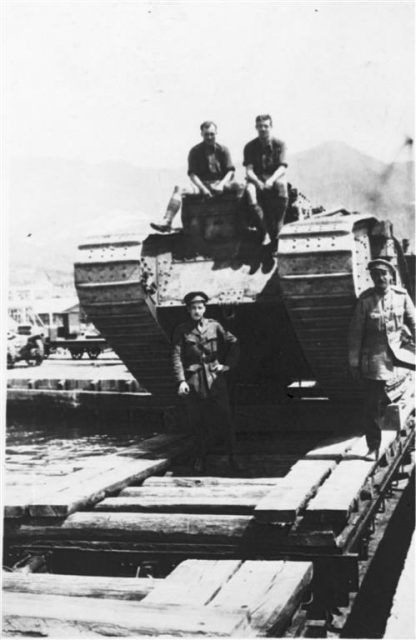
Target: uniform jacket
{"x": 376, "y": 331}
{"x": 195, "y": 353}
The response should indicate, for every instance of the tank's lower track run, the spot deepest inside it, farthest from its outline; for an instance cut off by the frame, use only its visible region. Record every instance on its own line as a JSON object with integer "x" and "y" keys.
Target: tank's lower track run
{"x": 111, "y": 290}
{"x": 323, "y": 269}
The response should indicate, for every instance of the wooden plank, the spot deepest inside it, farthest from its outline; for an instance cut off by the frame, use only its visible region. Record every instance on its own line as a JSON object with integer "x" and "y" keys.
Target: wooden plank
{"x": 85, "y": 586}
{"x": 152, "y": 527}
{"x": 270, "y": 592}
{"x": 170, "y": 491}
{"x": 181, "y": 504}
{"x": 207, "y": 481}
{"x": 194, "y": 582}
{"x": 360, "y": 448}
{"x": 284, "y": 502}
{"x": 103, "y": 475}
{"x": 330, "y": 450}
{"x": 33, "y": 613}
{"x": 14, "y": 505}
{"x": 336, "y": 498}
{"x": 62, "y": 503}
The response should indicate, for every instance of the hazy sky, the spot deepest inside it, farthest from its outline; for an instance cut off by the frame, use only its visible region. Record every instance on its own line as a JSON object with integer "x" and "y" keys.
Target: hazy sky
{"x": 133, "y": 80}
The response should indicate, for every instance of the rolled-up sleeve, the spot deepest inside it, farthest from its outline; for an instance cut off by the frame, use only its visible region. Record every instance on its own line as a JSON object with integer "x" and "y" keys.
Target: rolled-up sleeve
{"x": 248, "y": 155}
{"x": 177, "y": 364}
{"x": 228, "y": 163}
{"x": 193, "y": 162}
{"x": 283, "y": 154}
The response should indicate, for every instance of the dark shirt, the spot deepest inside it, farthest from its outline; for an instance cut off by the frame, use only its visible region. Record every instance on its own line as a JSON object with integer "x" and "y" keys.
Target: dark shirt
{"x": 266, "y": 159}
{"x": 195, "y": 353}
{"x": 209, "y": 163}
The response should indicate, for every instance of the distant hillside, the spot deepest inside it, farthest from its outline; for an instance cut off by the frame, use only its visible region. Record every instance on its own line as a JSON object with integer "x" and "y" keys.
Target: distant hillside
{"x": 55, "y": 203}
{"x": 336, "y": 175}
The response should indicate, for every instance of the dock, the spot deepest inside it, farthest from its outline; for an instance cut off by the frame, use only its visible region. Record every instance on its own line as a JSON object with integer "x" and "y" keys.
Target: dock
{"x": 295, "y": 525}
{"x": 208, "y": 598}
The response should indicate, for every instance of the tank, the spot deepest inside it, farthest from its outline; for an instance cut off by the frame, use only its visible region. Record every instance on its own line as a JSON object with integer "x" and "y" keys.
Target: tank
{"x": 290, "y": 310}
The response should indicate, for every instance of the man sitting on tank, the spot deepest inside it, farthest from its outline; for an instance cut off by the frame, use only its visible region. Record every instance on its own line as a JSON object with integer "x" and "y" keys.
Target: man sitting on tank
{"x": 210, "y": 170}
{"x": 267, "y": 190}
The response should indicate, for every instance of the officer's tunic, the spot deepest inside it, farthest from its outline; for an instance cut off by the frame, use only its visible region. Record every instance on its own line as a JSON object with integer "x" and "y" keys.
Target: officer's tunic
{"x": 195, "y": 353}
{"x": 375, "y": 337}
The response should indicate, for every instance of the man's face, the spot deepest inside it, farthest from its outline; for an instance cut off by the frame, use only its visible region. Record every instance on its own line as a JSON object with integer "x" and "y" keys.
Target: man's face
{"x": 196, "y": 311}
{"x": 209, "y": 135}
{"x": 382, "y": 278}
{"x": 264, "y": 129}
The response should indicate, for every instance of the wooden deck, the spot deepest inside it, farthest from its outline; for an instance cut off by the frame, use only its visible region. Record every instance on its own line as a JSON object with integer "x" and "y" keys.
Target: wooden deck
{"x": 309, "y": 509}
{"x": 207, "y": 598}
{"x": 102, "y": 476}
{"x": 242, "y": 547}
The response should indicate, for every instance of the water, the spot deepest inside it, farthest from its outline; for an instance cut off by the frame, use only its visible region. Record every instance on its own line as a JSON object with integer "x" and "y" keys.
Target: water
{"x": 39, "y": 450}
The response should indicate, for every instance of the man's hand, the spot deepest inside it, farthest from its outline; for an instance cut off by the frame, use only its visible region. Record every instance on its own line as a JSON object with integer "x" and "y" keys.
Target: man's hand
{"x": 219, "y": 188}
{"x": 206, "y": 192}
{"x": 220, "y": 368}
{"x": 260, "y": 185}
{"x": 355, "y": 373}
{"x": 183, "y": 389}
{"x": 268, "y": 184}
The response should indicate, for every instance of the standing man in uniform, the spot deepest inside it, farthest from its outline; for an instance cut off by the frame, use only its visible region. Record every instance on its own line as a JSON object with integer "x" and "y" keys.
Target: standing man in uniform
{"x": 375, "y": 338}
{"x": 203, "y": 351}
{"x": 267, "y": 190}
{"x": 210, "y": 170}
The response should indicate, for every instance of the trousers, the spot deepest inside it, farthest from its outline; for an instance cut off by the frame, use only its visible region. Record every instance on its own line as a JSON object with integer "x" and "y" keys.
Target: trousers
{"x": 270, "y": 206}
{"x": 211, "y": 421}
{"x": 375, "y": 402}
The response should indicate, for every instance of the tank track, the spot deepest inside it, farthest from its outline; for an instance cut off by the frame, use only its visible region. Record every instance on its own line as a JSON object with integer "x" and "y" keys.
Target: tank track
{"x": 322, "y": 266}
{"x": 113, "y": 290}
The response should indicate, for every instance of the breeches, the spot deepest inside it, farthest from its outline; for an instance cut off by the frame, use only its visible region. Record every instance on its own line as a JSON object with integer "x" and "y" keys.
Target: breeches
{"x": 211, "y": 421}
{"x": 375, "y": 402}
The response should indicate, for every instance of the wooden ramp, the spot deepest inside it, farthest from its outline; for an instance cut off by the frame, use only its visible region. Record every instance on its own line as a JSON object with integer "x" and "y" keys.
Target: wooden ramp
{"x": 199, "y": 598}
{"x": 312, "y": 510}
{"x": 102, "y": 476}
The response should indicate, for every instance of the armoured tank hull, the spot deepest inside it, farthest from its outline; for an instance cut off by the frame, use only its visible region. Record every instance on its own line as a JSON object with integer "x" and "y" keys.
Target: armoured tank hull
{"x": 291, "y": 314}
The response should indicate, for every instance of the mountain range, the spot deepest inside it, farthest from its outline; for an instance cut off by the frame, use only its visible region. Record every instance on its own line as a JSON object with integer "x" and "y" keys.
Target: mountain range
{"x": 55, "y": 203}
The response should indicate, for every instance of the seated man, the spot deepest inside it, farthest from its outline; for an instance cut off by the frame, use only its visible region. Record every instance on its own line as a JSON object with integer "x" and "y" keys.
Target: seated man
{"x": 211, "y": 172}
{"x": 267, "y": 192}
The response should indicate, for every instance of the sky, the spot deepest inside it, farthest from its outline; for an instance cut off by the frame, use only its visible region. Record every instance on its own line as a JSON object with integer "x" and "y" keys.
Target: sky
{"x": 132, "y": 81}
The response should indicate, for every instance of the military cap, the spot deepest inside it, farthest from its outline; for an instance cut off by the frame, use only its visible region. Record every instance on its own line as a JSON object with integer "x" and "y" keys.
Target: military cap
{"x": 381, "y": 263}
{"x": 195, "y": 296}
